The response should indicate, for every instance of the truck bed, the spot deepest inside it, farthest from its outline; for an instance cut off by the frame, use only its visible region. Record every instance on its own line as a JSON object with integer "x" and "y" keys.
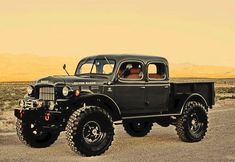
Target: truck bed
{"x": 204, "y": 88}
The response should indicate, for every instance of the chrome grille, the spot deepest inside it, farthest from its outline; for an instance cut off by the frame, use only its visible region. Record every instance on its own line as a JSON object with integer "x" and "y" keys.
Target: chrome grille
{"x": 47, "y": 93}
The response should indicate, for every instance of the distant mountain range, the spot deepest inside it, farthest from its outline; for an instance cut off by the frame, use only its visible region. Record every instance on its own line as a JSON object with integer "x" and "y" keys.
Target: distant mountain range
{"x": 201, "y": 71}
{"x": 27, "y": 67}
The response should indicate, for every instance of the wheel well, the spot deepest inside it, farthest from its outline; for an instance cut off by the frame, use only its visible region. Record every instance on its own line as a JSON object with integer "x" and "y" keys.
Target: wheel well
{"x": 182, "y": 100}
{"x": 104, "y": 102}
{"x": 197, "y": 98}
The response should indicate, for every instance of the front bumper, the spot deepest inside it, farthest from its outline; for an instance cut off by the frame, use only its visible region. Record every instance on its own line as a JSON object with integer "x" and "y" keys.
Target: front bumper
{"x": 42, "y": 117}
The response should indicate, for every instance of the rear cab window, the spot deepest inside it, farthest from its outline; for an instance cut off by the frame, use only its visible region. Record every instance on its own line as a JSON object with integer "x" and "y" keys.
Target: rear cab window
{"x": 156, "y": 71}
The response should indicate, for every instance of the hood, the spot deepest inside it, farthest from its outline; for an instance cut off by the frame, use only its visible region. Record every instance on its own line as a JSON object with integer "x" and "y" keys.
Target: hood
{"x": 64, "y": 79}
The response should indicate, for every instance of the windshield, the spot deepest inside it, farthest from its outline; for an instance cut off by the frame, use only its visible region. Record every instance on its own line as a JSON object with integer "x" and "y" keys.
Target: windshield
{"x": 102, "y": 66}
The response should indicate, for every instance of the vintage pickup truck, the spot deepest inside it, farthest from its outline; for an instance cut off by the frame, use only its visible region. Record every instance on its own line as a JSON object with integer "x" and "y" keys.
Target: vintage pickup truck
{"x": 133, "y": 90}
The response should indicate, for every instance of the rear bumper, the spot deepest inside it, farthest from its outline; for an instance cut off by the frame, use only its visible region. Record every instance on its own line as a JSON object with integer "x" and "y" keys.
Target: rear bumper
{"x": 42, "y": 117}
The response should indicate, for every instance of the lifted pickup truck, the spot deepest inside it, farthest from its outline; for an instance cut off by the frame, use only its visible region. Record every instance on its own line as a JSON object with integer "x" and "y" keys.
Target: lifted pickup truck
{"x": 111, "y": 89}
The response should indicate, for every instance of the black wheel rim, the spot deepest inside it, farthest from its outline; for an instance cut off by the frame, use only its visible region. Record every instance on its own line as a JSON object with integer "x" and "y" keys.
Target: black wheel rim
{"x": 138, "y": 126}
{"x": 195, "y": 123}
{"x": 92, "y": 132}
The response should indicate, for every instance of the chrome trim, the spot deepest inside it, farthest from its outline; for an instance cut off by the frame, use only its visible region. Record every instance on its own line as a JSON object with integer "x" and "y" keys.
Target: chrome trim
{"x": 129, "y": 80}
{"x": 149, "y": 116}
{"x": 160, "y": 79}
{"x": 62, "y": 100}
{"x": 49, "y": 84}
{"x": 47, "y": 93}
{"x": 146, "y": 85}
{"x": 87, "y": 91}
{"x": 111, "y": 100}
{"x": 114, "y": 103}
{"x": 29, "y": 104}
{"x": 193, "y": 94}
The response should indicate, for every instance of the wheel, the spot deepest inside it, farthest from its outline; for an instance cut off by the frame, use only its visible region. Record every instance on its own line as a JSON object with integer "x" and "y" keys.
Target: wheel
{"x": 32, "y": 136}
{"x": 164, "y": 121}
{"x": 90, "y": 131}
{"x": 137, "y": 128}
{"x": 192, "y": 125}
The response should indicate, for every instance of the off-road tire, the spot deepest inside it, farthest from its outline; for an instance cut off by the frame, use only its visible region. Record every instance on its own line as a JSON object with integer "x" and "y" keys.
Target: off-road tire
{"x": 26, "y": 136}
{"x": 137, "y": 129}
{"x": 80, "y": 131}
{"x": 189, "y": 130}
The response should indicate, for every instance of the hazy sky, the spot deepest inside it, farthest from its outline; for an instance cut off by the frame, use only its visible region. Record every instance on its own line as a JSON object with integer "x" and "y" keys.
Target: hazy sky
{"x": 199, "y": 32}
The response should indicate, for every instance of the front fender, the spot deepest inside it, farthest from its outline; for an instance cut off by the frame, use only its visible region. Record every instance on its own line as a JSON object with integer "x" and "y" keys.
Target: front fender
{"x": 103, "y": 101}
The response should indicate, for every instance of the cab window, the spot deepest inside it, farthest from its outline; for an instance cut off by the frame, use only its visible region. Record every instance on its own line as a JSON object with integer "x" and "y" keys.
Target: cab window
{"x": 131, "y": 71}
{"x": 156, "y": 71}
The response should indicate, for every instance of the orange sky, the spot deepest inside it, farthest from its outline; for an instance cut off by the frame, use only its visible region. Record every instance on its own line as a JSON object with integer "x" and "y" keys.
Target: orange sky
{"x": 198, "y": 32}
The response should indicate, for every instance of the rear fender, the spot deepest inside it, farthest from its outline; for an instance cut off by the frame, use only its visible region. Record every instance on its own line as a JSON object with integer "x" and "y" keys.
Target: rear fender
{"x": 190, "y": 97}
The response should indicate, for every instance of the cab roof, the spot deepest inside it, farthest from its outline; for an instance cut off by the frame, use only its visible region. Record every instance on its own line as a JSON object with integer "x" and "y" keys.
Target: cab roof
{"x": 120, "y": 57}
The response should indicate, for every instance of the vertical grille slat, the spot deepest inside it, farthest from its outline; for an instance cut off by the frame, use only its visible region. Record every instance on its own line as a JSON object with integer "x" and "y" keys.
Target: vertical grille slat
{"x": 47, "y": 93}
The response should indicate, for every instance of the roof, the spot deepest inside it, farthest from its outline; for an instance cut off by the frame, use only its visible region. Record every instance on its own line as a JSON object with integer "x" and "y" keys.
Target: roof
{"x": 128, "y": 56}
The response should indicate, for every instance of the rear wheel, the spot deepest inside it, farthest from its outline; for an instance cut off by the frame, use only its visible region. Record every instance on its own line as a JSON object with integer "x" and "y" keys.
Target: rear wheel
{"x": 137, "y": 128}
{"x": 31, "y": 135}
{"x": 192, "y": 125}
{"x": 90, "y": 131}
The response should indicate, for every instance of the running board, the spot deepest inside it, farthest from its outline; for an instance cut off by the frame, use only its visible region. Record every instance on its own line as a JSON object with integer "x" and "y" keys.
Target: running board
{"x": 149, "y": 116}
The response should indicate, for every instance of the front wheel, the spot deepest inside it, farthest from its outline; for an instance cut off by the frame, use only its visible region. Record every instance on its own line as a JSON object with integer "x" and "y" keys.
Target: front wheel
{"x": 90, "y": 131}
{"x": 137, "y": 128}
{"x": 31, "y": 135}
{"x": 192, "y": 125}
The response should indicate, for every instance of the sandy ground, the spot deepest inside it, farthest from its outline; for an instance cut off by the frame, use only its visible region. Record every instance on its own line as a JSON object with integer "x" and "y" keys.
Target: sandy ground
{"x": 162, "y": 144}
{"x": 7, "y": 121}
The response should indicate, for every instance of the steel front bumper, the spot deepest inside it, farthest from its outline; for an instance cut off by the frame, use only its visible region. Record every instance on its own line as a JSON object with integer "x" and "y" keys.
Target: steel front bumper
{"x": 44, "y": 118}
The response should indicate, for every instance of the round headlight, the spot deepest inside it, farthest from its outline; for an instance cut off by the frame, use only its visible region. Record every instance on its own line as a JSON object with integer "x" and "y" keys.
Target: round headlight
{"x": 65, "y": 91}
{"x": 30, "y": 90}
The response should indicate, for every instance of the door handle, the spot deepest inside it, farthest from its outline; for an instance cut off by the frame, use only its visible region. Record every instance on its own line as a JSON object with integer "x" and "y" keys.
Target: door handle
{"x": 142, "y": 87}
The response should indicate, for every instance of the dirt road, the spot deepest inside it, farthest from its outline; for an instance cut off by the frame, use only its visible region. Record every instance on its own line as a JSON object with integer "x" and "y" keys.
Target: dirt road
{"x": 162, "y": 144}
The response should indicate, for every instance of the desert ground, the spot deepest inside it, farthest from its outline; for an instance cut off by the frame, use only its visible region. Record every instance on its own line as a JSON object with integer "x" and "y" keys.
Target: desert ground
{"x": 162, "y": 144}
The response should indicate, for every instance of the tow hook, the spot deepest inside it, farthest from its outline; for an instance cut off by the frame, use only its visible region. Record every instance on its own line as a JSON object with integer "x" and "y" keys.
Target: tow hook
{"x": 47, "y": 116}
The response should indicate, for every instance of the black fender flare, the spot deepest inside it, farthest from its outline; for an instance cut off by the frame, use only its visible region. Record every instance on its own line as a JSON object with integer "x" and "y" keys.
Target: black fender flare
{"x": 100, "y": 99}
{"x": 191, "y": 97}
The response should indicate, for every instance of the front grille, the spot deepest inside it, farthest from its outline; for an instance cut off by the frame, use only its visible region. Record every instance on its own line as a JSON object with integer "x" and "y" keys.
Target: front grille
{"x": 47, "y": 93}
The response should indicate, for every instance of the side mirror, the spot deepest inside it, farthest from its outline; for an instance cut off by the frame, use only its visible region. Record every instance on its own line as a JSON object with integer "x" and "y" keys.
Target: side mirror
{"x": 64, "y": 66}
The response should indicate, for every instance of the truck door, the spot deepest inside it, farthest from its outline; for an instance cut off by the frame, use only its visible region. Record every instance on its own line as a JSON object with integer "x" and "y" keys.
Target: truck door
{"x": 157, "y": 87}
{"x": 129, "y": 90}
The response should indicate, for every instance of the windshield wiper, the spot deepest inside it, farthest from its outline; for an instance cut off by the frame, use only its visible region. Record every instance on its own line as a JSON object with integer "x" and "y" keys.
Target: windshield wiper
{"x": 108, "y": 62}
